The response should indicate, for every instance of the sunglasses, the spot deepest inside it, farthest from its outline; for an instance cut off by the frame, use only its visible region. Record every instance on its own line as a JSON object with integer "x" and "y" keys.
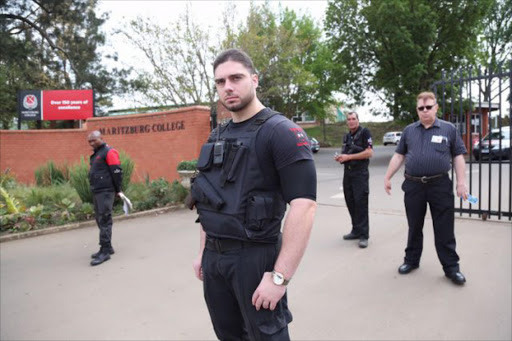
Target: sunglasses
{"x": 428, "y": 107}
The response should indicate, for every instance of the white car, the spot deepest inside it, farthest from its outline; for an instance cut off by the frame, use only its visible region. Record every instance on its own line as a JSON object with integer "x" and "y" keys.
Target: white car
{"x": 392, "y": 137}
{"x": 315, "y": 145}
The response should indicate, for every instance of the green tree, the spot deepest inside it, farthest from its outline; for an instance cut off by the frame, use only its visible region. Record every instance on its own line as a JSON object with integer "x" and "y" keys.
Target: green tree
{"x": 398, "y": 48}
{"x": 495, "y": 43}
{"x": 180, "y": 56}
{"x": 52, "y": 44}
{"x": 292, "y": 62}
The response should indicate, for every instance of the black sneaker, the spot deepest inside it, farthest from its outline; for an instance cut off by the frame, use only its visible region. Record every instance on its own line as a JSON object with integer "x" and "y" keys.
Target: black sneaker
{"x": 363, "y": 243}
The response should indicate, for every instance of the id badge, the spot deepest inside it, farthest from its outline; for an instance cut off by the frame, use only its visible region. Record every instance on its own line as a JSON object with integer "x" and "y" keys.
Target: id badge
{"x": 437, "y": 139}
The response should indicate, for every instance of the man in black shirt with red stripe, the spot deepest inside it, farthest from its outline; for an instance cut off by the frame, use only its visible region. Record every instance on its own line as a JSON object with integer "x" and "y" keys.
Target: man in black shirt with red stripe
{"x": 105, "y": 179}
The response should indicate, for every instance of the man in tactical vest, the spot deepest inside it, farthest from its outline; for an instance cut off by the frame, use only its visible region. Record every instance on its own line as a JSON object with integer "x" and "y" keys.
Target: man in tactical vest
{"x": 249, "y": 169}
{"x": 355, "y": 155}
{"x": 105, "y": 179}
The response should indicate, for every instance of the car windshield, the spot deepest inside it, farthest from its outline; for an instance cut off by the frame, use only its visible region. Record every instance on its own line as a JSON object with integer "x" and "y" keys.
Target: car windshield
{"x": 505, "y": 134}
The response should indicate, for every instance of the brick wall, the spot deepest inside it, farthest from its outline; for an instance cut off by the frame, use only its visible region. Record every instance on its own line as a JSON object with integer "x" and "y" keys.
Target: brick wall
{"x": 156, "y": 142}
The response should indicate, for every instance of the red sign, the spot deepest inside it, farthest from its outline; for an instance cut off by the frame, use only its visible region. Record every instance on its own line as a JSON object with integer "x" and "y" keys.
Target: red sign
{"x": 67, "y": 104}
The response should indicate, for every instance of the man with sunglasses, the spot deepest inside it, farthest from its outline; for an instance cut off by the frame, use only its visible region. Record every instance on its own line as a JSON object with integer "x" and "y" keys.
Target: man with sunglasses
{"x": 428, "y": 147}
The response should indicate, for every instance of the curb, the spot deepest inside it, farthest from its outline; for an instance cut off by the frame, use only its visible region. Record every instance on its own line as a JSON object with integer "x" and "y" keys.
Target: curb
{"x": 88, "y": 223}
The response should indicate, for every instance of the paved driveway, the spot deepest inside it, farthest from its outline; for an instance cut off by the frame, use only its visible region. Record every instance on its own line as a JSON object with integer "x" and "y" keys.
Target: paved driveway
{"x": 147, "y": 290}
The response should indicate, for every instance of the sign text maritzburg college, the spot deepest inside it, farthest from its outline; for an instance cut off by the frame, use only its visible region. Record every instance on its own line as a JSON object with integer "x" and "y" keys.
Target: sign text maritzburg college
{"x": 143, "y": 128}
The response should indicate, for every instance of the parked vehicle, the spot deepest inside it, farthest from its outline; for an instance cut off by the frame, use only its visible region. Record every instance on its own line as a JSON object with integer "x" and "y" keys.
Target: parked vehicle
{"x": 392, "y": 137}
{"x": 483, "y": 151}
{"x": 315, "y": 145}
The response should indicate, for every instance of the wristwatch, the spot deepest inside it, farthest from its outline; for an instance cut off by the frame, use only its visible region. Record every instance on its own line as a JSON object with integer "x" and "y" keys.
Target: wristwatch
{"x": 278, "y": 278}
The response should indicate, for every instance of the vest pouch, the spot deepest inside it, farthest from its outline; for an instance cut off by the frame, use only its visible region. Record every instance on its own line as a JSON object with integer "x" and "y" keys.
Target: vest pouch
{"x": 259, "y": 213}
{"x": 205, "y": 193}
{"x": 205, "y": 160}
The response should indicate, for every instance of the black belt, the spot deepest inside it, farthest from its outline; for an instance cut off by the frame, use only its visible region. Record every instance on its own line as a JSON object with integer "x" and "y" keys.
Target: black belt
{"x": 225, "y": 245}
{"x": 424, "y": 179}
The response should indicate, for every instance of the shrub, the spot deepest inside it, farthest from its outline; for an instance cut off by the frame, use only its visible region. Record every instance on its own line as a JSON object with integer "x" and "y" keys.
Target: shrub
{"x": 137, "y": 192}
{"x": 187, "y": 165}
{"x": 85, "y": 211}
{"x": 65, "y": 207}
{"x": 8, "y": 221}
{"x": 157, "y": 193}
{"x": 79, "y": 178}
{"x": 12, "y": 205}
{"x": 159, "y": 189}
{"x": 7, "y": 179}
{"x": 41, "y": 215}
{"x": 47, "y": 196}
{"x": 49, "y": 174}
{"x": 178, "y": 192}
{"x": 127, "y": 165}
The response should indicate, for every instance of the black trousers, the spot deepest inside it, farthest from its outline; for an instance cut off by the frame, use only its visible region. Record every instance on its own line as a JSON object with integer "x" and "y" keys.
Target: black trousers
{"x": 439, "y": 196}
{"x": 103, "y": 203}
{"x": 229, "y": 281}
{"x": 356, "y": 191}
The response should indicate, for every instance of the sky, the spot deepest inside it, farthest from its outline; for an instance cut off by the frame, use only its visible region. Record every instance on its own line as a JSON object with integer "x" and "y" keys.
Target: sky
{"x": 207, "y": 13}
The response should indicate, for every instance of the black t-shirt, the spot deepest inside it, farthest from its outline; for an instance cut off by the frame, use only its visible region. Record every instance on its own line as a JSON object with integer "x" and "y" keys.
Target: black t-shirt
{"x": 279, "y": 147}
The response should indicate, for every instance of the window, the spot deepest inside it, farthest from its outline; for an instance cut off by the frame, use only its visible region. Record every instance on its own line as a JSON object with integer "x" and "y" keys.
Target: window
{"x": 455, "y": 119}
{"x": 475, "y": 123}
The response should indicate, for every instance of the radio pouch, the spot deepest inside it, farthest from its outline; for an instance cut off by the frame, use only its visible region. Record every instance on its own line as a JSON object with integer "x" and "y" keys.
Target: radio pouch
{"x": 205, "y": 160}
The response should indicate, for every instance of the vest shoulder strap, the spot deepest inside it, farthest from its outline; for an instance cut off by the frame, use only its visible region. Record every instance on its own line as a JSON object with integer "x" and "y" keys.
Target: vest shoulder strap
{"x": 346, "y": 138}
{"x": 215, "y": 132}
{"x": 257, "y": 123}
{"x": 358, "y": 134}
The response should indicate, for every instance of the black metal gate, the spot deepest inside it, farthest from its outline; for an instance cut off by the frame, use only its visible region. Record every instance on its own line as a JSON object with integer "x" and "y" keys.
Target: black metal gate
{"x": 480, "y": 105}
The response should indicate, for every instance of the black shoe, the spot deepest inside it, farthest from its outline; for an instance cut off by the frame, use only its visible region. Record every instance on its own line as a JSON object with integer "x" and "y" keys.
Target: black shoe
{"x": 456, "y": 277}
{"x": 102, "y": 257}
{"x": 363, "y": 243}
{"x": 110, "y": 252}
{"x": 406, "y": 268}
{"x": 350, "y": 236}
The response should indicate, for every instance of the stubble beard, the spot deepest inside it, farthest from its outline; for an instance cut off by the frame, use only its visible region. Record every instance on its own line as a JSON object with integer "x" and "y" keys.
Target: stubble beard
{"x": 244, "y": 102}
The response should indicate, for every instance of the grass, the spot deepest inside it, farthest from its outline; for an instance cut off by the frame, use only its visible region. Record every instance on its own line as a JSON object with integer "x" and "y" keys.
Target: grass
{"x": 334, "y": 132}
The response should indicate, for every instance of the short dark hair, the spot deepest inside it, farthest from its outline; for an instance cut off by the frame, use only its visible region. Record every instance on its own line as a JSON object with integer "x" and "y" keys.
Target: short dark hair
{"x": 235, "y": 55}
{"x": 353, "y": 113}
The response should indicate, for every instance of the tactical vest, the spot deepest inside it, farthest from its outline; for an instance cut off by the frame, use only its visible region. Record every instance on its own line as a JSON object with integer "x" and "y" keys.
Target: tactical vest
{"x": 353, "y": 146}
{"x": 100, "y": 179}
{"x": 234, "y": 199}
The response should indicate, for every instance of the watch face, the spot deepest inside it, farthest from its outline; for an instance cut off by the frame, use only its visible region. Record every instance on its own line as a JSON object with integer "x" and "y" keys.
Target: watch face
{"x": 278, "y": 278}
